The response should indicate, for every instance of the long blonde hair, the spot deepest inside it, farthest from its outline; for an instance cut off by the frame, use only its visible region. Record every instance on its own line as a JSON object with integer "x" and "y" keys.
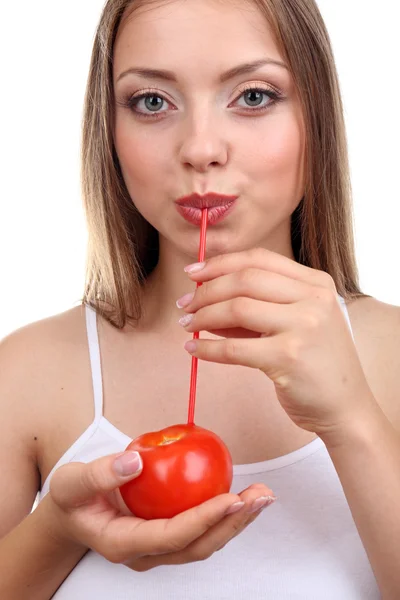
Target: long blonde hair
{"x": 123, "y": 246}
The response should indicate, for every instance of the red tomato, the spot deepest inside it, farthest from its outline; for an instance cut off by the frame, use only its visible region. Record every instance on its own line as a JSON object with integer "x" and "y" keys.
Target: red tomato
{"x": 183, "y": 466}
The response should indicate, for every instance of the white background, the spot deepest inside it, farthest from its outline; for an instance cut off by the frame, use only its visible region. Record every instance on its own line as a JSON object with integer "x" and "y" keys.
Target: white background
{"x": 44, "y": 57}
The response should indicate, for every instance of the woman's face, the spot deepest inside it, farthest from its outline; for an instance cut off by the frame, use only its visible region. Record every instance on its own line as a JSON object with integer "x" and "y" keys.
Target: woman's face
{"x": 204, "y": 132}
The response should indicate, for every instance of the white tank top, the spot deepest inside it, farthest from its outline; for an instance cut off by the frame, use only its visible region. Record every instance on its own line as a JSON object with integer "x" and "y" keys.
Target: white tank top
{"x": 305, "y": 546}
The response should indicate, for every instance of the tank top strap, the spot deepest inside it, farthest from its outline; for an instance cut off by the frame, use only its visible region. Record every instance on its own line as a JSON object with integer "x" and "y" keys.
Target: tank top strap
{"x": 346, "y": 314}
{"x": 95, "y": 361}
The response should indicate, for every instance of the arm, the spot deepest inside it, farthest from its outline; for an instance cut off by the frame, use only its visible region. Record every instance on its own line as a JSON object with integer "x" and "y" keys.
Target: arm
{"x": 367, "y": 459}
{"x": 34, "y": 560}
{"x": 34, "y": 557}
{"x": 302, "y": 332}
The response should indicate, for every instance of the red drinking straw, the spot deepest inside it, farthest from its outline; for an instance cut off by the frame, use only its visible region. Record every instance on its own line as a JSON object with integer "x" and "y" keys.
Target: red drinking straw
{"x": 193, "y": 375}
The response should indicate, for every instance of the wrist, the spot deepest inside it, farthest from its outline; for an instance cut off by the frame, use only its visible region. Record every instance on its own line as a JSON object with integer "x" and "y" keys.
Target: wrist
{"x": 366, "y": 426}
{"x": 51, "y": 520}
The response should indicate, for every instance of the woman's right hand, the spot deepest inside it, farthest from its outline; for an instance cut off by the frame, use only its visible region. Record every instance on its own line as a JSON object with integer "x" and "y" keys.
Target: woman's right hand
{"x": 90, "y": 511}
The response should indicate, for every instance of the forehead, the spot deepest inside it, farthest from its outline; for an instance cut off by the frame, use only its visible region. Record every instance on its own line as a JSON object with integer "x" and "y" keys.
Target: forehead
{"x": 180, "y": 31}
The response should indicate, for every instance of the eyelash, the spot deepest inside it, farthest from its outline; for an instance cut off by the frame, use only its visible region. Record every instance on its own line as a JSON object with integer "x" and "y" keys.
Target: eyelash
{"x": 132, "y": 101}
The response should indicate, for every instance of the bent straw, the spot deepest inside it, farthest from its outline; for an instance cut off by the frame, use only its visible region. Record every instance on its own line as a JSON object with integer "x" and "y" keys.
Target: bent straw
{"x": 193, "y": 375}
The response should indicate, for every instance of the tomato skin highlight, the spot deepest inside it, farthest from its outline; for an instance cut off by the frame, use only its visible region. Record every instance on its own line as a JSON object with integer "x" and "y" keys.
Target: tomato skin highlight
{"x": 183, "y": 466}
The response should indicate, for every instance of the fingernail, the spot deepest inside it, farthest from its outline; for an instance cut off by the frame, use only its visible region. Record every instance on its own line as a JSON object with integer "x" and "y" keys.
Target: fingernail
{"x": 128, "y": 464}
{"x": 234, "y": 508}
{"x": 261, "y": 502}
{"x": 186, "y": 320}
{"x": 191, "y": 346}
{"x": 185, "y": 300}
{"x": 193, "y": 268}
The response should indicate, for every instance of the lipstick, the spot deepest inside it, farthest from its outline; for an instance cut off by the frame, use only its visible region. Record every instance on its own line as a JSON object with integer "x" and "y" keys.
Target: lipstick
{"x": 218, "y": 205}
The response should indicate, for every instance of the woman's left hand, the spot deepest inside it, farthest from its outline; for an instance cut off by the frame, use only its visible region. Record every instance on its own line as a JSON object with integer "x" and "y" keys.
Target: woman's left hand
{"x": 286, "y": 320}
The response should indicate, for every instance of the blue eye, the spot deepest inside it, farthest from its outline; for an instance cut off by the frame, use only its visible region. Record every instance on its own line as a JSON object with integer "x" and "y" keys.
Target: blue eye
{"x": 255, "y": 96}
{"x": 153, "y": 101}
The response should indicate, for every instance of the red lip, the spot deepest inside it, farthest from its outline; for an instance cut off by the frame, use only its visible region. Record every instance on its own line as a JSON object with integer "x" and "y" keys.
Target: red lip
{"x": 209, "y": 200}
{"x": 219, "y": 205}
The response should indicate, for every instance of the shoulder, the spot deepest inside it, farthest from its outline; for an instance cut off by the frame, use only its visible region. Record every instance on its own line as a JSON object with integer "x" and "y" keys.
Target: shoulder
{"x": 35, "y": 360}
{"x": 42, "y": 340}
{"x": 376, "y": 329}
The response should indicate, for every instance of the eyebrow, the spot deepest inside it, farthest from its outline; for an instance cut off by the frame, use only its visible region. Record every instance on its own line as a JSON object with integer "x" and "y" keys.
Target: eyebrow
{"x": 235, "y": 72}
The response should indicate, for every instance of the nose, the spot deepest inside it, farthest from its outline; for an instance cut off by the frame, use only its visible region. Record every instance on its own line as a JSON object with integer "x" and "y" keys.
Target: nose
{"x": 203, "y": 145}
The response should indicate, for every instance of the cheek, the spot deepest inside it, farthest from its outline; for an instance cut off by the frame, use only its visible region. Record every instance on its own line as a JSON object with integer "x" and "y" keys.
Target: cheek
{"x": 138, "y": 155}
{"x": 278, "y": 153}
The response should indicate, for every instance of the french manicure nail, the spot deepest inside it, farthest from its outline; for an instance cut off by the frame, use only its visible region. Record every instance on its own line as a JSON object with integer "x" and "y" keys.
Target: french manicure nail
{"x": 195, "y": 267}
{"x": 186, "y": 320}
{"x": 128, "y": 464}
{"x": 261, "y": 502}
{"x": 185, "y": 300}
{"x": 191, "y": 346}
{"x": 235, "y": 508}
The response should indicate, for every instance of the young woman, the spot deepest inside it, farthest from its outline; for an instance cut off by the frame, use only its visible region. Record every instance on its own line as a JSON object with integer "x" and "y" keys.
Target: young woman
{"x": 235, "y": 106}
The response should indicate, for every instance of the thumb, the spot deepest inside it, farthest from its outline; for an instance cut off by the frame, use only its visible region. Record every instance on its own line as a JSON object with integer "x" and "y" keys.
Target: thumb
{"x": 76, "y": 483}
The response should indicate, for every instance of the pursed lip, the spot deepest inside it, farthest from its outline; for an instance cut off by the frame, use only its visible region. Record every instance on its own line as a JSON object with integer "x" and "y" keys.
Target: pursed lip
{"x": 219, "y": 207}
{"x": 209, "y": 200}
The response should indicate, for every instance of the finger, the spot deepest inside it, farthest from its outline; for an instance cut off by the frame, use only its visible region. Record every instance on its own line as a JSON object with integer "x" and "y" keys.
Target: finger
{"x": 237, "y": 332}
{"x": 256, "y": 499}
{"x": 215, "y": 538}
{"x": 74, "y": 484}
{"x": 130, "y": 538}
{"x": 252, "y": 283}
{"x": 259, "y": 353}
{"x": 246, "y": 313}
{"x": 263, "y": 259}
